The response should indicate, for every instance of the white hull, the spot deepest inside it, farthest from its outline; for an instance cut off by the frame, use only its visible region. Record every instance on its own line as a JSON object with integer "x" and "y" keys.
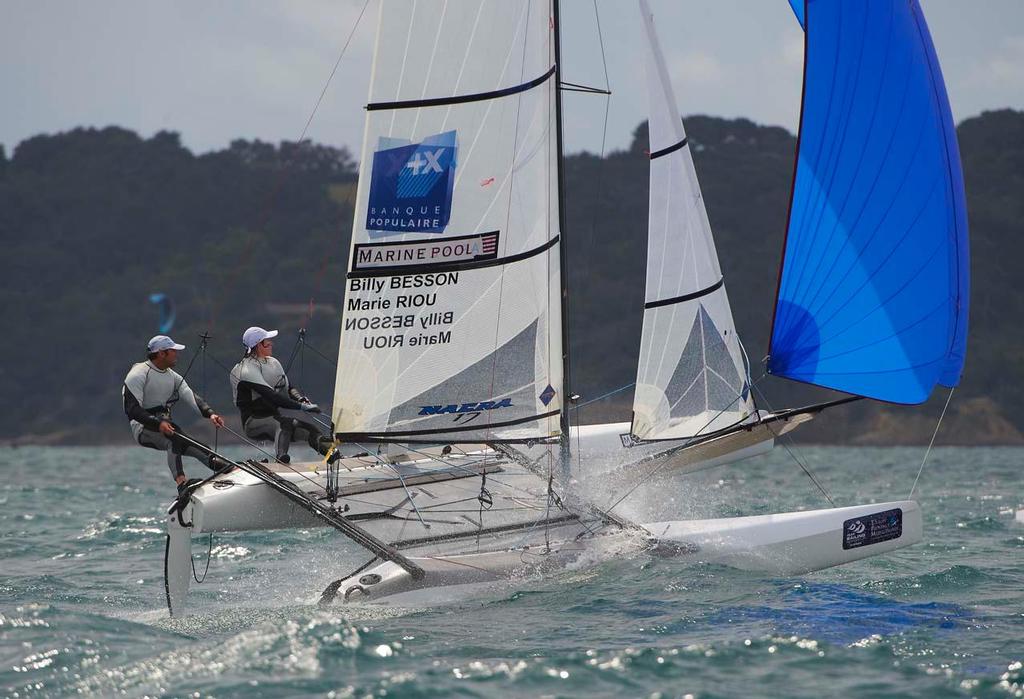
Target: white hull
{"x": 605, "y": 449}
{"x": 399, "y": 503}
{"x": 791, "y": 543}
{"x": 241, "y": 502}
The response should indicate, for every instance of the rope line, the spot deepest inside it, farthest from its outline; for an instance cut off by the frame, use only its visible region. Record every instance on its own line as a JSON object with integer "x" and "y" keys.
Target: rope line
{"x": 660, "y": 466}
{"x": 780, "y": 439}
{"x": 209, "y": 552}
{"x": 929, "y": 449}
{"x": 320, "y": 354}
{"x": 333, "y": 71}
{"x": 264, "y": 217}
{"x": 605, "y": 395}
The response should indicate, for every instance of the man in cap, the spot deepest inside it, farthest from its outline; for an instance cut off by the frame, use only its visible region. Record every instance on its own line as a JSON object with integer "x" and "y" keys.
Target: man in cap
{"x": 261, "y": 390}
{"x": 150, "y": 390}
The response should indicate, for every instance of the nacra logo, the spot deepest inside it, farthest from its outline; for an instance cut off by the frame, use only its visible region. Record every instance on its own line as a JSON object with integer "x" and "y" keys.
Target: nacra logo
{"x": 455, "y": 409}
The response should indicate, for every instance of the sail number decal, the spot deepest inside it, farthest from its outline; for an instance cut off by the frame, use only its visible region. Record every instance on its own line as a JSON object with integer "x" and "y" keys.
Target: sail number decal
{"x": 411, "y": 184}
{"x": 873, "y": 529}
{"x": 468, "y": 248}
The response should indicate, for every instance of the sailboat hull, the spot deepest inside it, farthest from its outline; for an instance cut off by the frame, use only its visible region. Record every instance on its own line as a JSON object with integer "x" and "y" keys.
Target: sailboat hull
{"x": 789, "y": 543}
{"x": 451, "y": 579}
{"x": 793, "y": 543}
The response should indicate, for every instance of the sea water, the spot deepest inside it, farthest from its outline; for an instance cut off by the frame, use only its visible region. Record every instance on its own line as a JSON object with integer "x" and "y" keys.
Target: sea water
{"x": 82, "y": 608}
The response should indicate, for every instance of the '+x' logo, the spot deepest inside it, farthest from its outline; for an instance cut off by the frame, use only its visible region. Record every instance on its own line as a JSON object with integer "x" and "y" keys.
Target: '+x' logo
{"x": 419, "y": 166}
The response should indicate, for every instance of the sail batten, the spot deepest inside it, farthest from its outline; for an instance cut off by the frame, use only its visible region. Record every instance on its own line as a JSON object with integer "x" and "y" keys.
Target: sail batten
{"x": 691, "y": 375}
{"x": 686, "y": 297}
{"x": 873, "y": 290}
{"x": 461, "y": 99}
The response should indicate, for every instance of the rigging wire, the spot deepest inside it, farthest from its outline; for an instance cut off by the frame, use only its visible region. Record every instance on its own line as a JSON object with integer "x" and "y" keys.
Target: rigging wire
{"x": 256, "y": 446}
{"x": 579, "y": 447}
{"x": 600, "y": 38}
{"x": 323, "y": 356}
{"x": 291, "y": 468}
{"x": 660, "y": 466}
{"x": 295, "y": 350}
{"x": 606, "y": 395}
{"x": 203, "y": 337}
{"x": 464, "y": 469}
{"x": 333, "y": 71}
{"x": 601, "y": 166}
{"x": 929, "y": 449}
{"x": 327, "y": 487}
{"x": 584, "y": 271}
{"x": 264, "y": 217}
{"x": 780, "y": 439}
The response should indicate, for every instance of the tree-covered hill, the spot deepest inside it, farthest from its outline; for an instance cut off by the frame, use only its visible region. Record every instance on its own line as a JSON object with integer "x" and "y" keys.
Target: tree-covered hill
{"x": 93, "y": 221}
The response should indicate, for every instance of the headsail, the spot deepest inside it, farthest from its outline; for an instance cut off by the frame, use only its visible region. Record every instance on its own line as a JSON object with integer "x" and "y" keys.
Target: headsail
{"x": 691, "y": 377}
{"x": 873, "y": 292}
{"x": 452, "y": 323}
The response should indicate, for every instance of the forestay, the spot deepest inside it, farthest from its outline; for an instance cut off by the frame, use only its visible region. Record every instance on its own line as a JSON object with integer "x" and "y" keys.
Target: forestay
{"x": 873, "y": 293}
{"x": 452, "y": 325}
{"x": 691, "y": 377}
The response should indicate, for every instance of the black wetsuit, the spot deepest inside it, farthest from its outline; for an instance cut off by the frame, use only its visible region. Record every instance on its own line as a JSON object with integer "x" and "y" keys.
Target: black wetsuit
{"x": 261, "y": 390}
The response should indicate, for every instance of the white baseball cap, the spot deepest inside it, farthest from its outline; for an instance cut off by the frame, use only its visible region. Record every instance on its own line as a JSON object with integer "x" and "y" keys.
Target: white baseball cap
{"x": 255, "y": 335}
{"x": 161, "y": 342}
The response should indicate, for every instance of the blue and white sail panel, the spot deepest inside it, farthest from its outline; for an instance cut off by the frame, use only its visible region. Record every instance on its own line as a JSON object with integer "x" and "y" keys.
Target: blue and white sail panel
{"x": 873, "y": 292}
{"x": 452, "y": 322}
{"x": 691, "y": 377}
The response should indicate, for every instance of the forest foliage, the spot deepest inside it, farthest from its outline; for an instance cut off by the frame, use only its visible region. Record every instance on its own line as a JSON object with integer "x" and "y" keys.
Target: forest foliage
{"x": 95, "y": 220}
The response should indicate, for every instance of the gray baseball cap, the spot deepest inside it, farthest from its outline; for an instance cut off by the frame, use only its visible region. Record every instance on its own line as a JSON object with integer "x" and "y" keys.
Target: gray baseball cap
{"x": 162, "y": 342}
{"x": 255, "y": 335}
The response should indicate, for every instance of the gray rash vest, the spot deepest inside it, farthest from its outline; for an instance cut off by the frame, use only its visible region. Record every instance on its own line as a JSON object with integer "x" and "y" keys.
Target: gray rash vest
{"x": 157, "y": 391}
{"x": 260, "y": 387}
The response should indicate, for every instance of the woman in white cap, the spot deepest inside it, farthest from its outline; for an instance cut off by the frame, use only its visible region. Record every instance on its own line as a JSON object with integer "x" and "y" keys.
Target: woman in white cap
{"x": 261, "y": 389}
{"x": 150, "y": 390}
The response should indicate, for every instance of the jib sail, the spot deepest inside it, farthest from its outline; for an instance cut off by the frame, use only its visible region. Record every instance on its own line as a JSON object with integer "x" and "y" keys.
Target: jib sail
{"x": 691, "y": 377}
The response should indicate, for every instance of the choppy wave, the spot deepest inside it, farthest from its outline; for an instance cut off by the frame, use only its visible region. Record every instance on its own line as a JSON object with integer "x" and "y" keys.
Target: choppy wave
{"x": 83, "y": 611}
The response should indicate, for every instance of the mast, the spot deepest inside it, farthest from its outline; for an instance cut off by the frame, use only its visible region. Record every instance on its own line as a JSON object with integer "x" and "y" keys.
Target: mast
{"x": 562, "y": 256}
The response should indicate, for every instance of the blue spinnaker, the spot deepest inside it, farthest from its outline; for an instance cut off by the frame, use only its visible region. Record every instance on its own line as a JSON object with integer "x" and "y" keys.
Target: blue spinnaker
{"x": 798, "y": 10}
{"x": 873, "y": 292}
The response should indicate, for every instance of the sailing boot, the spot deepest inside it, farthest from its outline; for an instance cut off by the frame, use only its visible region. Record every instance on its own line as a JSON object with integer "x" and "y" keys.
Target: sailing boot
{"x": 283, "y": 443}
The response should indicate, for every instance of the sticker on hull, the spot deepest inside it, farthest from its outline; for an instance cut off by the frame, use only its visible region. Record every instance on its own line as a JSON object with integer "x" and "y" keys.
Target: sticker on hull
{"x": 872, "y": 529}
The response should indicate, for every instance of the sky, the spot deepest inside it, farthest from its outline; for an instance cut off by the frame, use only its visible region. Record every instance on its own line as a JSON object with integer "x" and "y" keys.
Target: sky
{"x": 217, "y": 71}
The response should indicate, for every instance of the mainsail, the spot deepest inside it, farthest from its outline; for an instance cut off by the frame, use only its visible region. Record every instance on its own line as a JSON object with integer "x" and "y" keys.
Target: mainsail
{"x": 452, "y": 323}
{"x": 873, "y": 292}
{"x": 691, "y": 377}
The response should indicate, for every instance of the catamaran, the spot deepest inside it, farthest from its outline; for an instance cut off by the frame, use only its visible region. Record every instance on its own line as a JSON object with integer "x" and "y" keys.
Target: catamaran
{"x": 453, "y": 390}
